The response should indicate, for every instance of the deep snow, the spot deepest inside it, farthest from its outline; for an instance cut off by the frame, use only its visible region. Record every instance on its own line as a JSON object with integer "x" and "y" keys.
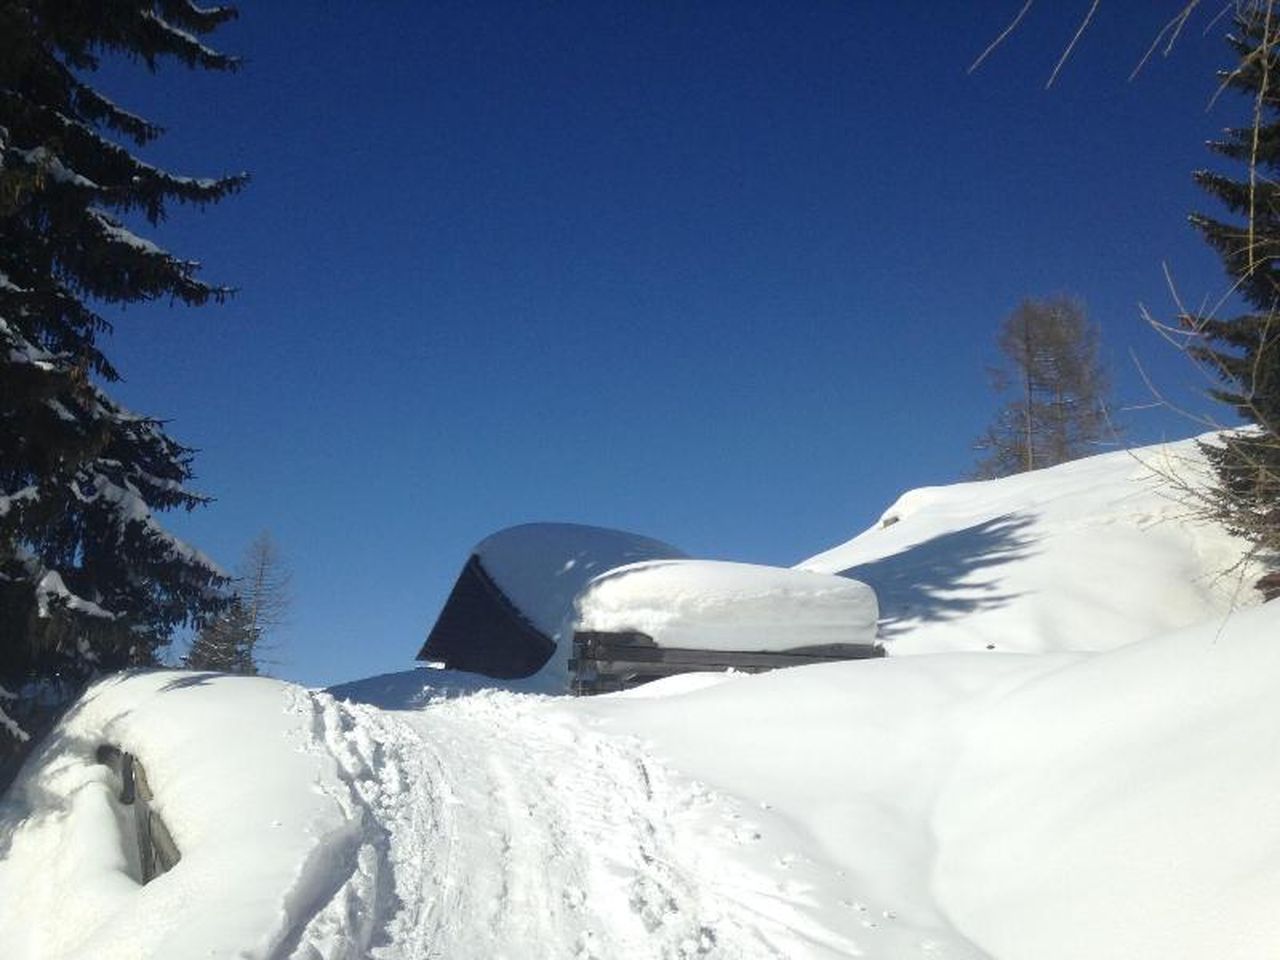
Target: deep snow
{"x": 715, "y": 605}
{"x": 1068, "y": 753}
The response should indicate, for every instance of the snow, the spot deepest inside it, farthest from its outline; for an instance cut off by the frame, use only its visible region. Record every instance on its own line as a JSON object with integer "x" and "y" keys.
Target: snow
{"x": 20, "y": 350}
{"x": 542, "y": 566}
{"x": 52, "y": 166}
{"x": 27, "y": 494}
{"x": 7, "y": 722}
{"x": 117, "y": 232}
{"x": 249, "y": 806}
{"x": 51, "y": 587}
{"x": 129, "y": 507}
{"x": 1135, "y": 814}
{"x": 178, "y": 33}
{"x": 1088, "y": 555}
{"x": 413, "y": 689}
{"x": 1101, "y": 784}
{"x": 717, "y": 605}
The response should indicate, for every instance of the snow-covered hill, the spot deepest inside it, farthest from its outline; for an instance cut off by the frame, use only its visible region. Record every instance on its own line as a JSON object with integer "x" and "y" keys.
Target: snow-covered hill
{"x": 1070, "y": 752}
{"x": 1089, "y": 555}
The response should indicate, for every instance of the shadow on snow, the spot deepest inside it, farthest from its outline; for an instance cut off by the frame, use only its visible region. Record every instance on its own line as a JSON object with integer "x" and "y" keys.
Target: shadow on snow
{"x": 935, "y": 580}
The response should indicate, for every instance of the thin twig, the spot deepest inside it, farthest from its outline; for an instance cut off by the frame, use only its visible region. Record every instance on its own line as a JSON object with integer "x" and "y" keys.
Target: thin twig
{"x": 1000, "y": 39}
{"x": 1226, "y": 8}
{"x": 1258, "y": 104}
{"x": 1173, "y": 28}
{"x": 1072, "y": 45}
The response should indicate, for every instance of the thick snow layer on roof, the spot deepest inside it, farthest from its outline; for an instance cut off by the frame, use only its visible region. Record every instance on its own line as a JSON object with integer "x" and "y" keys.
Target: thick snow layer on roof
{"x": 542, "y": 566}
{"x": 1088, "y": 555}
{"x": 716, "y": 605}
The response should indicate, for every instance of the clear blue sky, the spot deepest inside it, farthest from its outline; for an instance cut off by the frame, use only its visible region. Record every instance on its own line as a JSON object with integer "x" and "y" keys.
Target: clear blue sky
{"x": 727, "y": 274}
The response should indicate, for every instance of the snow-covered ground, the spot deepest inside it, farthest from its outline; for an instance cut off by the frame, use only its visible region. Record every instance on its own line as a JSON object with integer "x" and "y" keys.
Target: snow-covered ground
{"x": 1069, "y": 752}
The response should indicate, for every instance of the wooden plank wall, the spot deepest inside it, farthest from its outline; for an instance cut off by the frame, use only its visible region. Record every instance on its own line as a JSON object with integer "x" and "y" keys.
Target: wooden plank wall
{"x": 604, "y": 662}
{"x": 157, "y": 852}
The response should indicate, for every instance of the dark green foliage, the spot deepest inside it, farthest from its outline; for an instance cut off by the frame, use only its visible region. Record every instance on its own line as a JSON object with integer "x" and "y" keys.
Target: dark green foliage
{"x": 1057, "y": 386}
{"x": 234, "y": 641}
{"x": 1243, "y": 352}
{"x": 88, "y": 580}
{"x": 226, "y": 643}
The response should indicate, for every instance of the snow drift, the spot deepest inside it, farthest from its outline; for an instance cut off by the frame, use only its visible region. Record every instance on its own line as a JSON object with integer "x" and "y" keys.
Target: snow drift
{"x": 1100, "y": 784}
{"x": 1088, "y": 555}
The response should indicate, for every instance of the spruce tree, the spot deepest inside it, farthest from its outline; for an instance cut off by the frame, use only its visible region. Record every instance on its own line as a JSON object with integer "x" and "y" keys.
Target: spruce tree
{"x": 1056, "y": 411}
{"x": 234, "y": 640}
{"x": 1243, "y": 352}
{"x": 227, "y": 643}
{"x": 89, "y": 581}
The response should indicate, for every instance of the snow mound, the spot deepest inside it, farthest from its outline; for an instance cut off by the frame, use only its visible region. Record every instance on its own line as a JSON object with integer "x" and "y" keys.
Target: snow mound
{"x": 417, "y": 688}
{"x": 1125, "y": 807}
{"x": 1088, "y": 555}
{"x": 1117, "y": 805}
{"x": 716, "y": 605}
{"x": 260, "y": 822}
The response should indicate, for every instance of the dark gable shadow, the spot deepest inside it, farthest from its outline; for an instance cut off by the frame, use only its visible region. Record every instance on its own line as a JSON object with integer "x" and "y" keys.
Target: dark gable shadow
{"x": 933, "y": 581}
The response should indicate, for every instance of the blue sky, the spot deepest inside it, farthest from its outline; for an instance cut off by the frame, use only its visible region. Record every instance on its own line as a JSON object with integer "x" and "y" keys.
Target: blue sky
{"x": 726, "y": 274}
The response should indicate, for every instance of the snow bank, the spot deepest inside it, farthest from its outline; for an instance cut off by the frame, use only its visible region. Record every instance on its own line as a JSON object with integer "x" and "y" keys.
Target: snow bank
{"x": 255, "y": 817}
{"x": 415, "y": 689}
{"x": 716, "y": 605}
{"x": 1056, "y": 806}
{"x": 854, "y": 756}
{"x": 1088, "y": 555}
{"x": 1125, "y": 807}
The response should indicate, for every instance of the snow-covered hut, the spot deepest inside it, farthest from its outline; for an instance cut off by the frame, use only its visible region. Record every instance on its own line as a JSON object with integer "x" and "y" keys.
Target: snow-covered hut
{"x": 513, "y": 598}
{"x": 718, "y": 605}
{"x": 657, "y": 618}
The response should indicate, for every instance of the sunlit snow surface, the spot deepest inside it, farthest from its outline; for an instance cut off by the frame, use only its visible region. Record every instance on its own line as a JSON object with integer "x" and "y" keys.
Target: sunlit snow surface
{"x": 714, "y": 605}
{"x": 1108, "y": 792}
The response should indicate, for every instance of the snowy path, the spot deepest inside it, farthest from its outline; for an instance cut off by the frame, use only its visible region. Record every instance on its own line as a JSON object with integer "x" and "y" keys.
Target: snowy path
{"x": 497, "y": 826}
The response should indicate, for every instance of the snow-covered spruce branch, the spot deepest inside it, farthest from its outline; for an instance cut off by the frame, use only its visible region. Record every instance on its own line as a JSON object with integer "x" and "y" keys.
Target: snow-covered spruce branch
{"x": 7, "y": 722}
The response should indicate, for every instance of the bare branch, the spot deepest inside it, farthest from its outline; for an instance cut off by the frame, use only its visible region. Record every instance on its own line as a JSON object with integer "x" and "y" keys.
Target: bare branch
{"x": 1172, "y": 30}
{"x": 1084, "y": 24}
{"x": 1013, "y": 25}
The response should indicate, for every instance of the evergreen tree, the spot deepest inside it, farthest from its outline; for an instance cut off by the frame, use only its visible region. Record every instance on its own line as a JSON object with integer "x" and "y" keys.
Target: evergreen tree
{"x": 89, "y": 581}
{"x": 1243, "y": 352}
{"x": 227, "y": 643}
{"x": 233, "y": 642}
{"x": 1057, "y": 411}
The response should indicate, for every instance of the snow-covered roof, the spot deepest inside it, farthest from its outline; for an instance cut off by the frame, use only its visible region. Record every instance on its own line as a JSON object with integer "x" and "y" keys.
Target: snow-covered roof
{"x": 542, "y": 566}
{"x": 504, "y": 615}
{"x": 717, "y": 605}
